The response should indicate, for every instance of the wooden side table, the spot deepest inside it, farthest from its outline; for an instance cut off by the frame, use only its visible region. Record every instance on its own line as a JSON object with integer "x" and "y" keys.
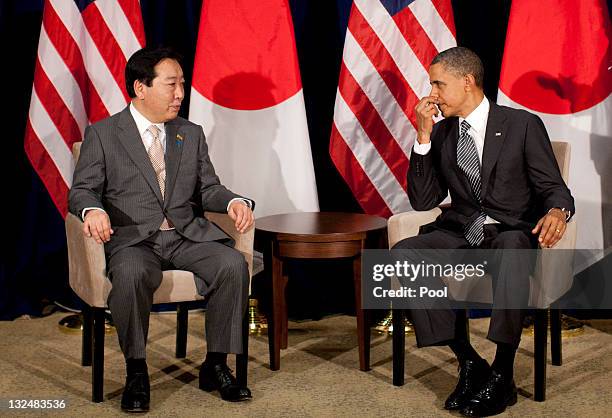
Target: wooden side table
{"x": 315, "y": 235}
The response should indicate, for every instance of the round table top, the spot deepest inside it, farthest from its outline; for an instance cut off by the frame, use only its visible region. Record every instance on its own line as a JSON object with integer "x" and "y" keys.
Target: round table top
{"x": 320, "y": 223}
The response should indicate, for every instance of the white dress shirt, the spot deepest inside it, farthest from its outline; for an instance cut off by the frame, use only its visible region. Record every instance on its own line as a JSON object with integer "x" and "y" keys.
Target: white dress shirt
{"x": 478, "y": 128}
{"x": 142, "y": 124}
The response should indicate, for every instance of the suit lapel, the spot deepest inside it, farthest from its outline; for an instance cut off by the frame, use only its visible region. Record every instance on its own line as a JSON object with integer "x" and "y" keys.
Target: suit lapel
{"x": 132, "y": 142}
{"x": 174, "y": 150}
{"x": 494, "y": 139}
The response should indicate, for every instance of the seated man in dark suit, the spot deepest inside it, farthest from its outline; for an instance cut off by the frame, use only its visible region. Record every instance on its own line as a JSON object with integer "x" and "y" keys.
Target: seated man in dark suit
{"x": 498, "y": 165}
{"x": 141, "y": 182}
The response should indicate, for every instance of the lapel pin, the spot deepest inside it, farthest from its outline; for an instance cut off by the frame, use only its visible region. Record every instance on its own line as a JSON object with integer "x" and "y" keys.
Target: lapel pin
{"x": 178, "y": 137}
{"x": 497, "y": 133}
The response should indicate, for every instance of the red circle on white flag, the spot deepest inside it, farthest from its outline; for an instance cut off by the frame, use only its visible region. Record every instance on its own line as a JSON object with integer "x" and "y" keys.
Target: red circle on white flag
{"x": 557, "y": 55}
{"x": 246, "y": 57}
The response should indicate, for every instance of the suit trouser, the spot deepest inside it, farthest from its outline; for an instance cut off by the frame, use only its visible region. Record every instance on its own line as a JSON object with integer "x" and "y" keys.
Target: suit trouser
{"x": 440, "y": 326}
{"x": 222, "y": 277}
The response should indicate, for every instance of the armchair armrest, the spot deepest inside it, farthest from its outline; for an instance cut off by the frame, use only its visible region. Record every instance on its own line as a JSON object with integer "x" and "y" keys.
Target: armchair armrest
{"x": 407, "y": 224}
{"x": 87, "y": 265}
{"x": 244, "y": 241}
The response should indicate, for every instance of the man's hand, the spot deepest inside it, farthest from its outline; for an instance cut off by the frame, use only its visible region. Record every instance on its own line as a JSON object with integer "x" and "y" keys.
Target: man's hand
{"x": 241, "y": 214}
{"x": 97, "y": 225}
{"x": 425, "y": 110}
{"x": 551, "y": 228}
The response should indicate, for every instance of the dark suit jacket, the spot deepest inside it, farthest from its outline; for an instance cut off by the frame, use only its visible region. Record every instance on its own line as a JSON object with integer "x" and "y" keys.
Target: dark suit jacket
{"x": 520, "y": 176}
{"x": 114, "y": 173}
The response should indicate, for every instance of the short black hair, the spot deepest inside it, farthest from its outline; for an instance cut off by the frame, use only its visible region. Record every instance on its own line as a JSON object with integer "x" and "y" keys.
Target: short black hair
{"x": 141, "y": 66}
{"x": 461, "y": 61}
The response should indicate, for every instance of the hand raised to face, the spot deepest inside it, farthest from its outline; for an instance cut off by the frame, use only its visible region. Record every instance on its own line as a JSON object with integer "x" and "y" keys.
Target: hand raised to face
{"x": 425, "y": 110}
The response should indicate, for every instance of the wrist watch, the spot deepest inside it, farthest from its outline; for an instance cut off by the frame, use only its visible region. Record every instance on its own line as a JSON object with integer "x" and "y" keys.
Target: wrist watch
{"x": 567, "y": 213}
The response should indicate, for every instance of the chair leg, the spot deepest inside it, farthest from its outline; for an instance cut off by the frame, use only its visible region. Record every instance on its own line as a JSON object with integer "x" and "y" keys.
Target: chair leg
{"x": 399, "y": 346}
{"x": 87, "y": 335}
{"x": 182, "y": 323}
{"x": 242, "y": 360}
{"x": 363, "y": 319}
{"x": 97, "y": 370}
{"x": 275, "y": 332}
{"x": 540, "y": 350}
{"x": 556, "y": 345}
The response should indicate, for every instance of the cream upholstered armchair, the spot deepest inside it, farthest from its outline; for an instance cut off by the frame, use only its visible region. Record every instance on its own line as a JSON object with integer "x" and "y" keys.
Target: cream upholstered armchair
{"x": 543, "y": 292}
{"x": 88, "y": 279}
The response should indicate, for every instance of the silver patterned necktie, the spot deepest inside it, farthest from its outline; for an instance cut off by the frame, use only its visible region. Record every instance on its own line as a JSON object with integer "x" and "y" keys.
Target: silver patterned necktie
{"x": 467, "y": 159}
{"x": 156, "y": 155}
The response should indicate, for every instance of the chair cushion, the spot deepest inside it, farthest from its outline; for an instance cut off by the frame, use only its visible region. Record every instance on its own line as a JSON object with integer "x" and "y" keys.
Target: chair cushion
{"x": 176, "y": 286}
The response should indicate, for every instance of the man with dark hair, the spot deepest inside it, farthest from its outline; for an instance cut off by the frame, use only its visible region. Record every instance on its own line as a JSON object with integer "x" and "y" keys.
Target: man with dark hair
{"x": 141, "y": 66}
{"x": 140, "y": 184}
{"x": 506, "y": 192}
{"x": 461, "y": 61}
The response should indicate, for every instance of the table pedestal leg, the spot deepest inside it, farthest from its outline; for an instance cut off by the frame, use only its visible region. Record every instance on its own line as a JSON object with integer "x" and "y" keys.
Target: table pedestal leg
{"x": 284, "y": 312}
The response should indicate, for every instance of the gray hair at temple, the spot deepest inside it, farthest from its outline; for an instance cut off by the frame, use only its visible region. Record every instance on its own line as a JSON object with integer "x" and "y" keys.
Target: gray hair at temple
{"x": 461, "y": 61}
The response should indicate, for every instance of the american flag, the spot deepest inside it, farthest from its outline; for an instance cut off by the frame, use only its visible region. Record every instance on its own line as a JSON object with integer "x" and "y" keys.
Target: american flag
{"x": 388, "y": 47}
{"x": 79, "y": 79}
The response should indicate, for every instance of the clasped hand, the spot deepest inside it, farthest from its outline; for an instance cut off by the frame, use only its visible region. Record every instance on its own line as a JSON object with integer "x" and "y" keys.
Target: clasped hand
{"x": 97, "y": 225}
{"x": 241, "y": 214}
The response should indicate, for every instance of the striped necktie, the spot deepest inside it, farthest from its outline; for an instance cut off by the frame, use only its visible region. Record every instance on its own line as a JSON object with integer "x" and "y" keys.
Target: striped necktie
{"x": 467, "y": 159}
{"x": 156, "y": 155}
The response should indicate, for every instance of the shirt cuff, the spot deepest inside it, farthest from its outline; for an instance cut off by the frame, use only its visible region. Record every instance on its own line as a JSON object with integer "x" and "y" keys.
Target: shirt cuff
{"x": 421, "y": 149}
{"x": 247, "y": 202}
{"x": 91, "y": 208}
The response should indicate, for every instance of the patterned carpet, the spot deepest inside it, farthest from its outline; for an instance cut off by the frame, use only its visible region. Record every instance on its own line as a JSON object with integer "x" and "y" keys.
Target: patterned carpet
{"x": 319, "y": 374}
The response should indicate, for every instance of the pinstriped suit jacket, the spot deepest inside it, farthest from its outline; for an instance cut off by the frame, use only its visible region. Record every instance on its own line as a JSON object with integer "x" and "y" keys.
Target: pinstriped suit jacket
{"x": 114, "y": 173}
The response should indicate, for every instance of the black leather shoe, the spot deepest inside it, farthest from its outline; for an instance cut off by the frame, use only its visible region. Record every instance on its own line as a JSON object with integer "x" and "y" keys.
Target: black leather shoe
{"x": 493, "y": 398}
{"x": 472, "y": 375}
{"x": 219, "y": 377}
{"x": 136, "y": 393}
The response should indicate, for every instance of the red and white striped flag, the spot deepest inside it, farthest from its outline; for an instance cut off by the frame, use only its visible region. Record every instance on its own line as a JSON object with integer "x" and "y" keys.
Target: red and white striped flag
{"x": 78, "y": 80}
{"x": 387, "y": 51}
